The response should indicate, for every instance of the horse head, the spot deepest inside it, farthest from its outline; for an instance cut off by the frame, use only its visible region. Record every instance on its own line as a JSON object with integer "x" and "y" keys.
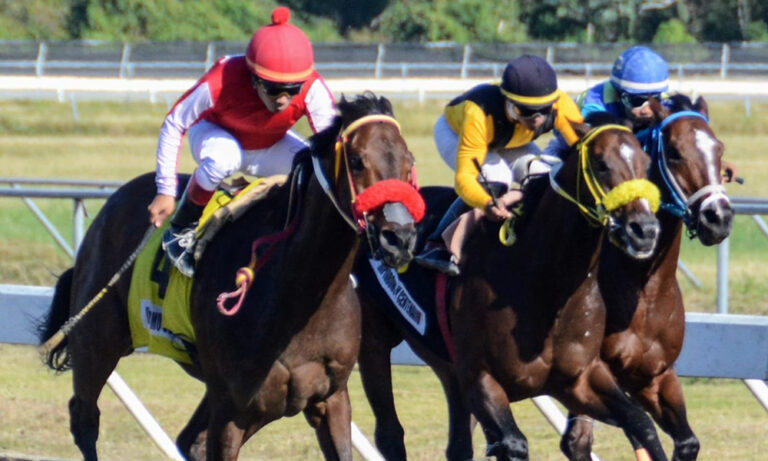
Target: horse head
{"x": 374, "y": 173}
{"x": 612, "y": 168}
{"x": 686, "y": 155}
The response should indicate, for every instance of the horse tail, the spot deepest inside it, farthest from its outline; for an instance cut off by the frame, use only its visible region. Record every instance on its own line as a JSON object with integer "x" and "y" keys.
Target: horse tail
{"x": 58, "y": 357}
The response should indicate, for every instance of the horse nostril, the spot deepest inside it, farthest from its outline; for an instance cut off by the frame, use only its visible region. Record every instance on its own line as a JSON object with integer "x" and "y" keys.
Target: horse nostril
{"x": 643, "y": 230}
{"x": 389, "y": 238}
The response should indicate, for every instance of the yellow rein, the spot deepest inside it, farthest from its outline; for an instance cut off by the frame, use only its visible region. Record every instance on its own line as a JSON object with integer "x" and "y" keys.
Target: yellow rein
{"x": 605, "y": 203}
{"x": 620, "y": 195}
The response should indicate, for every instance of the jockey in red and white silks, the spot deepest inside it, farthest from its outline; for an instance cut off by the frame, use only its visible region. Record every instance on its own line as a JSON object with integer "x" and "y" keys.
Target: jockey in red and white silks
{"x": 239, "y": 117}
{"x": 231, "y": 129}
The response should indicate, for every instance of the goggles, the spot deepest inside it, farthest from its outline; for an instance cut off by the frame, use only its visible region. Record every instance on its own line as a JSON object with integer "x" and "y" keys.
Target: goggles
{"x": 276, "y": 89}
{"x": 527, "y": 113}
{"x": 631, "y": 101}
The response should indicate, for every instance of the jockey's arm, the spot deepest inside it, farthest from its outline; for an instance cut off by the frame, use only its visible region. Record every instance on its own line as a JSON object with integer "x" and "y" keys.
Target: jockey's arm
{"x": 320, "y": 105}
{"x": 471, "y": 150}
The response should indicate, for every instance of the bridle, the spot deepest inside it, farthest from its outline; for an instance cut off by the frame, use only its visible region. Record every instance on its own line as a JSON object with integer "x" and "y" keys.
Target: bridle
{"x": 599, "y": 214}
{"x": 401, "y": 202}
{"x": 679, "y": 204}
{"x": 399, "y": 199}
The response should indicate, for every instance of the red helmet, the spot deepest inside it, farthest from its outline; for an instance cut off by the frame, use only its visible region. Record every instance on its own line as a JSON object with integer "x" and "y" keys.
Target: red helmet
{"x": 280, "y": 52}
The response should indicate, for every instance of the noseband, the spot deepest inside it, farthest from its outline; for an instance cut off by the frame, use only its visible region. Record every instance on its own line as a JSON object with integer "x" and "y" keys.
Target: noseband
{"x": 679, "y": 203}
{"x": 383, "y": 193}
{"x": 605, "y": 203}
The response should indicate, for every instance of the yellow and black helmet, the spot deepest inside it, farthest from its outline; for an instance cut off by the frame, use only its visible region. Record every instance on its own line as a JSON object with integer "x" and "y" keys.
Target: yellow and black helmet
{"x": 529, "y": 81}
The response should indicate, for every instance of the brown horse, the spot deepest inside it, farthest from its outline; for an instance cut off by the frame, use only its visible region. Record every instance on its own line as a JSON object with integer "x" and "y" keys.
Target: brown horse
{"x": 527, "y": 319}
{"x": 646, "y": 318}
{"x": 292, "y": 345}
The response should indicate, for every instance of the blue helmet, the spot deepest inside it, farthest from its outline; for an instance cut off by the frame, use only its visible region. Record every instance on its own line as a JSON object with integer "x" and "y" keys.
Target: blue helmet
{"x": 639, "y": 70}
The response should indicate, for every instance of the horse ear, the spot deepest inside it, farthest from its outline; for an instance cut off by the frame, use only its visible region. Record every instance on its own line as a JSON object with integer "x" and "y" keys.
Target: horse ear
{"x": 659, "y": 111}
{"x": 581, "y": 129}
{"x": 701, "y": 106}
{"x": 386, "y": 106}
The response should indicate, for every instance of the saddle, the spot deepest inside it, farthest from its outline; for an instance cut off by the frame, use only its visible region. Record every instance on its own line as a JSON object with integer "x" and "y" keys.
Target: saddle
{"x": 228, "y": 204}
{"x": 158, "y": 299}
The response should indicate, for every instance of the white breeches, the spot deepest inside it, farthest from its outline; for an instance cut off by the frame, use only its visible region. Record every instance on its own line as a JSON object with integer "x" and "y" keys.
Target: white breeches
{"x": 508, "y": 166}
{"x": 219, "y": 155}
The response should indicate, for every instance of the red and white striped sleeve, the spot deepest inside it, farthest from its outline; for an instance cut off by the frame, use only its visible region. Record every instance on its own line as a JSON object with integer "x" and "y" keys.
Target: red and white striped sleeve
{"x": 320, "y": 105}
{"x": 187, "y": 110}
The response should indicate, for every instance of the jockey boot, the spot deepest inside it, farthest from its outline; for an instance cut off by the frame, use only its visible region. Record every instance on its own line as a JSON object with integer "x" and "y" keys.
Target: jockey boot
{"x": 435, "y": 254}
{"x": 179, "y": 239}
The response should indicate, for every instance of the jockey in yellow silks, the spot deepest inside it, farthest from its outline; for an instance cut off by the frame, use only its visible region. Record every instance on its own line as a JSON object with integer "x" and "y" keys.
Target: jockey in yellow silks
{"x": 494, "y": 125}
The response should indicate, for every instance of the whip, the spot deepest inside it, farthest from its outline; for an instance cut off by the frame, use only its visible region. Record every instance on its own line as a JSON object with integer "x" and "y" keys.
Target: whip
{"x": 59, "y": 336}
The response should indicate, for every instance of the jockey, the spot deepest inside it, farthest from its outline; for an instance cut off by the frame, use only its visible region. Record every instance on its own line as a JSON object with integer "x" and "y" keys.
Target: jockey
{"x": 239, "y": 117}
{"x": 494, "y": 125}
{"x": 638, "y": 74}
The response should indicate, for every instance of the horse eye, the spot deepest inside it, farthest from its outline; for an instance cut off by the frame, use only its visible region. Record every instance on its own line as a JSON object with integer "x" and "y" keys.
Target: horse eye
{"x": 356, "y": 163}
{"x": 602, "y": 167}
{"x": 673, "y": 155}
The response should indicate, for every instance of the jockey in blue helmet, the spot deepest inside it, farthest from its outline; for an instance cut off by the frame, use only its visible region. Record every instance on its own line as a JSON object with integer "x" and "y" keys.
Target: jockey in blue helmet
{"x": 638, "y": 74}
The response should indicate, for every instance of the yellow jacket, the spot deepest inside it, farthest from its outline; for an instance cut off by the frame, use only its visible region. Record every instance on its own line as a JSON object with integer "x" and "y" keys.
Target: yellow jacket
{"x": 479, "y": 118}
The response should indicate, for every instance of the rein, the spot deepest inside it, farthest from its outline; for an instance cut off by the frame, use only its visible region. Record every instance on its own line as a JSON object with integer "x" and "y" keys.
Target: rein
{"x": 605, "y": 203}
{"x": 372, "y": 198}
{"x": 680, "y": 203}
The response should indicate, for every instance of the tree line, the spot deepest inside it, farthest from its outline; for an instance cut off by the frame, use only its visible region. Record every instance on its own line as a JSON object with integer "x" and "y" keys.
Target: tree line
{"x": 462, "y": 21}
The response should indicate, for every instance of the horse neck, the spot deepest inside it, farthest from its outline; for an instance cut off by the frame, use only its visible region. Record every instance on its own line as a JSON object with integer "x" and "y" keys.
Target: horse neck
{"x": 627, "y": 283}
{"x": 559, "y": 237}
{"x": 557, "y": 246}
{"x": 322, "y": 249}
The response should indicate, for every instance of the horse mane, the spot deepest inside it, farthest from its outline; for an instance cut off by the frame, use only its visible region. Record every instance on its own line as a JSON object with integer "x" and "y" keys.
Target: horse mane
{"x": 680, "y": 102}
{"x": 349, "y": 110}
{"x": 363, "y": 104}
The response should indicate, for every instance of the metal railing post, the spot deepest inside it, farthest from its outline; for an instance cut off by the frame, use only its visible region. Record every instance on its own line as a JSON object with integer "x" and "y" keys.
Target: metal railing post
{"x": 209, "y": 55}
{"x": 724, "y": 60}
{"x": 377, "y": 68}
{"x": 722, "y": 276}
{"x": 42, "y": 49}
{"x": 124, "y": 71}
{"x": 465, "y": 60}
{"x": 78, "y": 223}
{"x": 689, "y": 274}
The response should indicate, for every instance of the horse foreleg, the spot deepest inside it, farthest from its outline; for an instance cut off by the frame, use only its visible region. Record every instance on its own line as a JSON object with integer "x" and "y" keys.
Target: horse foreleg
{"x": 376, "y": 375}
{"x": 576, "y": 442}
{"x": 332, "y": 421}
{"x": 191, "y": 439}
{"x": 460, "y": 421}
{"x": 224, "y": 437}
{"x": 490, "y": 404}
{"x": 378, "y": 339}
{"x": 597, "y": 394}
{"x": 663, "y": 399}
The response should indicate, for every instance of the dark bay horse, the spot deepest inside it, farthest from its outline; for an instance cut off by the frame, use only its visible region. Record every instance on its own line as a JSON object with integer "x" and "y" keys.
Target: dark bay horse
{"x": 528, "y": 319}
{"x": 293, "y": 343}
{"x": 646, "y": 318}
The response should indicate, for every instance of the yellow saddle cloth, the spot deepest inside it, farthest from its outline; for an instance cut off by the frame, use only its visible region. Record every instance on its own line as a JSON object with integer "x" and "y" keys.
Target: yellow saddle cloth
{"x": 158, "y": 300}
